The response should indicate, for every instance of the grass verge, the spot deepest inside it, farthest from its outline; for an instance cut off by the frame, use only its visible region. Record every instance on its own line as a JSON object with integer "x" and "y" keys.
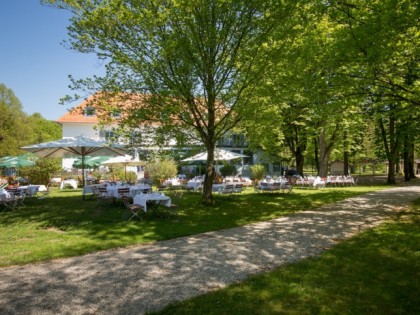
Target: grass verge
{"x": 376, "y": 272}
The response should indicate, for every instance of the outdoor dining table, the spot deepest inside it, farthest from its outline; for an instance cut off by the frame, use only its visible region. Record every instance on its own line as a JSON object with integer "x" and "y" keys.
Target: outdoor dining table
{"x": 152, "y": 201}
{"x": 218, "y": 187}
{"x": 88, "y": 189}
{"x": 141, "y": 188}
{"x": 269, "y": 184}
{"x": 31, "y": 190}
{"x": 134, "y": 190}
{"x": 72, "y": 182}
{"x": 193, "y": 184}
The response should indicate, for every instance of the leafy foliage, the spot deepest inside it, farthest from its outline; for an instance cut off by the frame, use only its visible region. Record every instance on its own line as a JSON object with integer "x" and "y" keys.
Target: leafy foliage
{"x": 258, "y": 172}
{"x": 13, "y": 121}
{"x": 228, "y": 169}
{"x": 43, "y": 170}
{"x": 160, "y": 170}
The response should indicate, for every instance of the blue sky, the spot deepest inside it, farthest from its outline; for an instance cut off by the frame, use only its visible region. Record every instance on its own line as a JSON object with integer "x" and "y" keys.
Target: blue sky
{"x": 33, "y": 62}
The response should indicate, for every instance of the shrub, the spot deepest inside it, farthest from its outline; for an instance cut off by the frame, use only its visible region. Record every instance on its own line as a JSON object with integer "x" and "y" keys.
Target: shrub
{"x": 257, "y": 172}
{"x": 160, "y": 170}
{"x": 43, "y": 170}
{"x": 228, "y": 169}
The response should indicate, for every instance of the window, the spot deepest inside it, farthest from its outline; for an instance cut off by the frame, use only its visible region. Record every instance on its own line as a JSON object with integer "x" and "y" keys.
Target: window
{"x": 108, "y": 135}
{"x": 89, "y": 111}
{"x": 276, "y": 167}
{"x": 116, "y": 113}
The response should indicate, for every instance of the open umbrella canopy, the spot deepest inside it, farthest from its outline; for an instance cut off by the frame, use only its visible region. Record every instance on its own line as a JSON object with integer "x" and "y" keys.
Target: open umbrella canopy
{"x": 219, "y": 155}
{"x": 18, "y": 161}
{"x": 76, "y": 146}
{"x": 90, "y": 161}
{"x": 126, "y": 160}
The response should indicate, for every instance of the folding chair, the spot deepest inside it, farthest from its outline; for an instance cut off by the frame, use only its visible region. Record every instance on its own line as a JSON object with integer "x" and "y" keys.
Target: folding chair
{"x": 238, "y": 188}
{"x": 20, "y": 199}
{"x": 133, "y": 209}
{"x": 228, "y": 189}
{"x": 103, "y": 198}
{"x": 9, "y": 203}
{"x": 123, "y": 192}
{"x": 44, "y": 194}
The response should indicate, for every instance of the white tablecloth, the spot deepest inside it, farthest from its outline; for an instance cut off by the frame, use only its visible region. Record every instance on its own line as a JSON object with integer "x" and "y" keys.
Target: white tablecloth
{"x": 269, "y": 184}
{"x": 172, "y": 182}
{"x": 33, "y": 189}
{"x": 142, "y": 199}
{"x": 134, "y": 190}
{"x": 72, "y": 182}
{"x": 194, "y": 184}
{"x": 218, "y": 187}
{"x": 88, "y": 189}
{"x": 4, "y": 194}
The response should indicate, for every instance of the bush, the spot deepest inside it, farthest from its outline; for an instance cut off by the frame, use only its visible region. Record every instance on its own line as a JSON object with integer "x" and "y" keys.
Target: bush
{"x": 161, "y": 169}
{"x": 228, "y": 170}
{"x": 257, "y": 172}
{"x": 43, "y": 170}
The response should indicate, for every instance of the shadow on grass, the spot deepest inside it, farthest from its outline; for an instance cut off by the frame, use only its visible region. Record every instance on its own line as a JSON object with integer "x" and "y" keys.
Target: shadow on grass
{"x": 80, "y": 226}
{"x": 376, "y": 272}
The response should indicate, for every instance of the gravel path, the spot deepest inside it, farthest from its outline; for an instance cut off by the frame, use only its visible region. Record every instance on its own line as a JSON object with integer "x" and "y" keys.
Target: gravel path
{"x": 144, "y": 278}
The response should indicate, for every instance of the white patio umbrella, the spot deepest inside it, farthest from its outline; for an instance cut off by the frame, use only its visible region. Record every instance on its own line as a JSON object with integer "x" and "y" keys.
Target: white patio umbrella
{"x": 126, "y": 160}
{"x": 76, "y": 146}
{"x": 219, "y": 155}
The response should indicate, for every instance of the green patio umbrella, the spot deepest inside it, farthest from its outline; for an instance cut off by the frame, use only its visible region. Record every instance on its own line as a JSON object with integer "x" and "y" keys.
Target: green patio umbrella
{"x": 18, "y": 161}
{"x": 90, "y": 161}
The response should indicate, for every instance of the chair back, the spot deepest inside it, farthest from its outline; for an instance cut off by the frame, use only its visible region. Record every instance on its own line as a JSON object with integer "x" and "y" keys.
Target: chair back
{"x": 124, "y": 192}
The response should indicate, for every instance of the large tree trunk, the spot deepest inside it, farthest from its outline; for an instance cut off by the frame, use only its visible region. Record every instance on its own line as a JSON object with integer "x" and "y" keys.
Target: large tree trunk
{"x": 411, "y": 162}
{"x": 207, "y": 197}
{"x": 406, "y": 158}
{"x": 316, "y": 156}
{"x": 391, "y": 147}
{"x": 324, "y": 155}
{"x": 346, "y": 155}
{"x": 325, "y": 149}
{"x": 300, "y": 160}
{"x": 296, "y": 142}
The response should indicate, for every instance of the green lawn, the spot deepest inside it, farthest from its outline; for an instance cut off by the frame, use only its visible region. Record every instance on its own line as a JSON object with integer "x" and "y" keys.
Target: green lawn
{"x": 64, "y": 225}
{"x": 376, "y": 272}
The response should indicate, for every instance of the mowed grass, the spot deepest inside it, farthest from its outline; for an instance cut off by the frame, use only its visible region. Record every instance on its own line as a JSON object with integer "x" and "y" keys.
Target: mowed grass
{"x": 376, "y": 272}
{"x": 64, "y": 225}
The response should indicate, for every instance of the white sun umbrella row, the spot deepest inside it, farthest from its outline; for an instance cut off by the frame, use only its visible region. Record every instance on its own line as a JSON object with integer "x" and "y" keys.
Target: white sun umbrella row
{"x": 126, "y": 160}
{"x": 219, "y": 155}
{"x": 76, "y": 146}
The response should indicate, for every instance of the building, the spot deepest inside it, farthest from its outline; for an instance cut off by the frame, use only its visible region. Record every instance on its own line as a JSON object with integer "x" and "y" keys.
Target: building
{"x": 83, "y": 119}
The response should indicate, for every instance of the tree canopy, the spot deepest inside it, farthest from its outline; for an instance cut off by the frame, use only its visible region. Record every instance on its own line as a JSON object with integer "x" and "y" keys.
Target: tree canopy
{"x": 197, "y": 60}
{"x": 18, "y": 129}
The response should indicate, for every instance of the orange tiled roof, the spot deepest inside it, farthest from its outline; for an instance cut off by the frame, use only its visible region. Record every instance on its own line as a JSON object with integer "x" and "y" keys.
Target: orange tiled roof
{"x": 124, "y": 102}
{"x": 76, "y": 114}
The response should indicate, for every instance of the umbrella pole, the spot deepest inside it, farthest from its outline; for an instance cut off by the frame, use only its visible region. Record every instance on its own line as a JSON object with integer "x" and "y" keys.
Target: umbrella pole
{"x": 83, "y": 167}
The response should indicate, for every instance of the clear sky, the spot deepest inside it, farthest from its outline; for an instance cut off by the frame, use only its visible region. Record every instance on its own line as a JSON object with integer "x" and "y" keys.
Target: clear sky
{"x": 33, "y": 62}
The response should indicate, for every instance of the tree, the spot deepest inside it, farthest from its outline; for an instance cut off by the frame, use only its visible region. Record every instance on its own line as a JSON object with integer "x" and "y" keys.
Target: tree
{"x": 197, "y": 60}
{"x": 379, "y": 49}
{"x": 13, "y": 122}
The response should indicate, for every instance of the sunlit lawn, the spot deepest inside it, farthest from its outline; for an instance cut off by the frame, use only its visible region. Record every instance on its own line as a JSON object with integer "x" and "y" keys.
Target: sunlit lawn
{"x": 376, "y": 272}
{"x": 64, "y": 225}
